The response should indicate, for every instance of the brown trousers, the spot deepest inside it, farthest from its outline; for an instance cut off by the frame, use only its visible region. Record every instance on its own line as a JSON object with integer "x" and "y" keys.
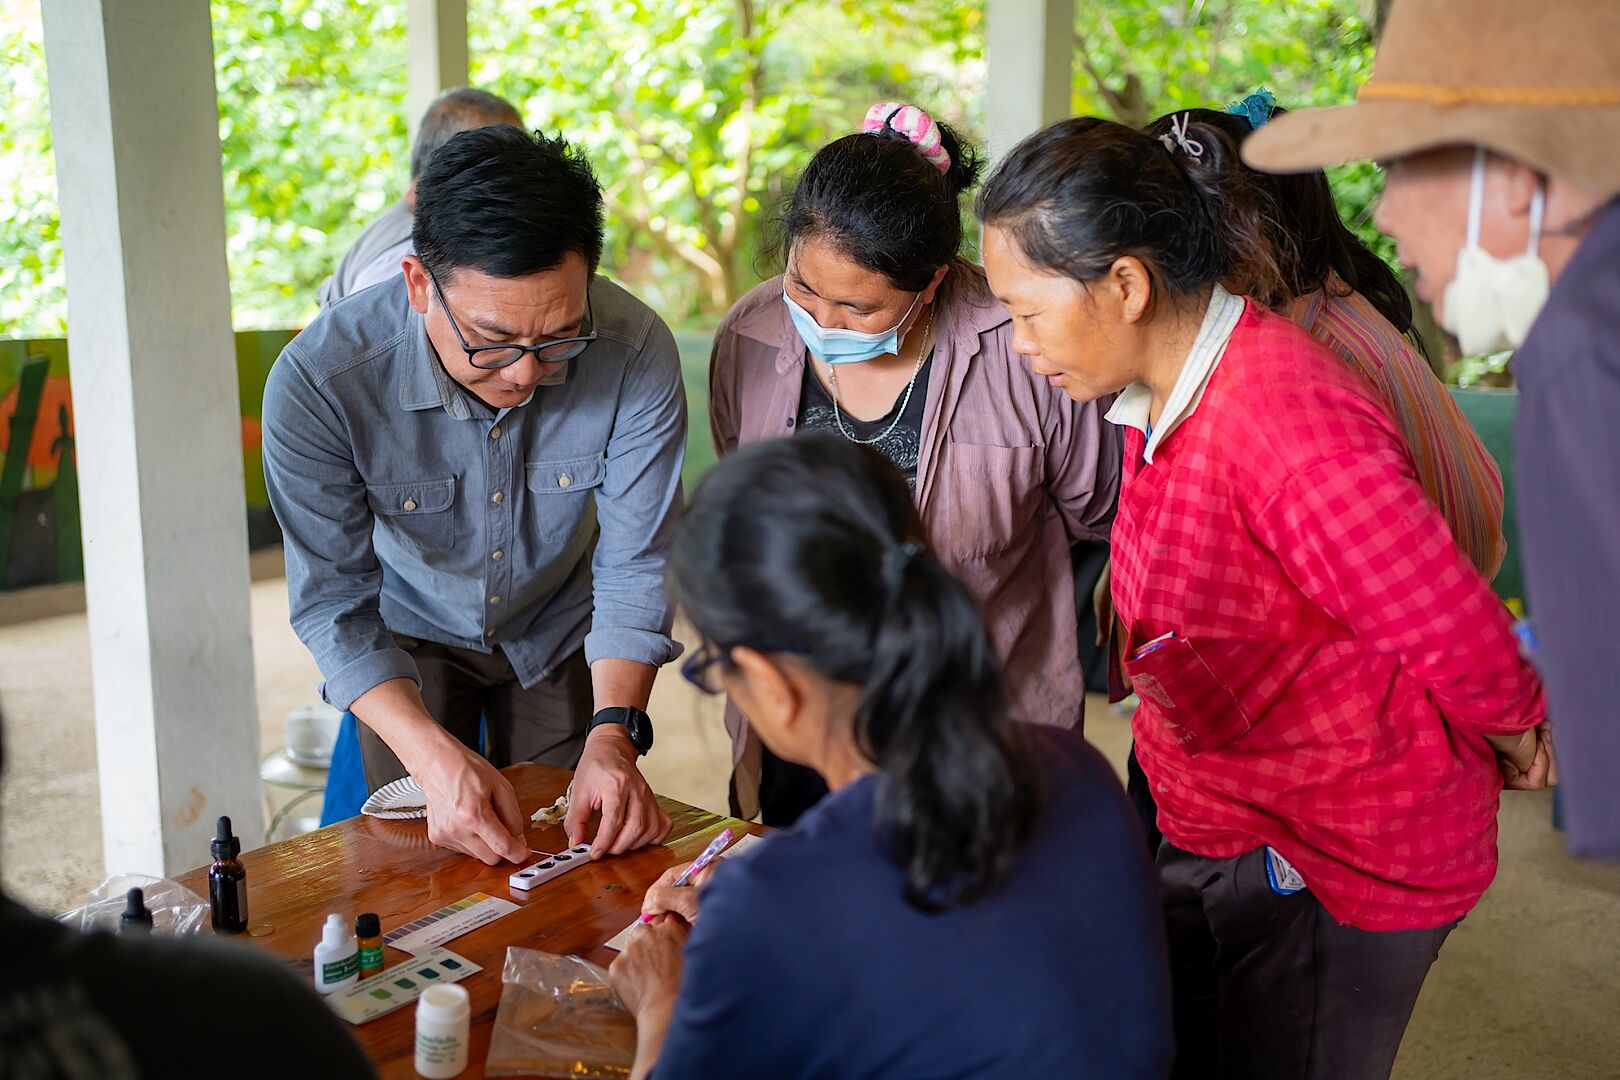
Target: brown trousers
{"x": 473, "y": 694}
{"x": 1269, "y": 986}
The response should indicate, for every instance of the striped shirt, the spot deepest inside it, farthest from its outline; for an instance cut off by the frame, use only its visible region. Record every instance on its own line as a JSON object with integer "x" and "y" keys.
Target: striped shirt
{"x": 1457, "y": 473}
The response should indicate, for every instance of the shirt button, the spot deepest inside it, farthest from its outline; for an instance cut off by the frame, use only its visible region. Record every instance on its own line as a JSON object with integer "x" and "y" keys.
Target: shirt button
{"x": 791, "y": 421}
{"x": 490, "y": 632}
{"x": 496, "y": 498}
{"x": 1164, "y": 789}
{"x": 494, "y": 599}
{"x": 498, "y": 555}
{"x": 494, "y": 432}
{"x": 409, "y": 504}
{"x": 564, "y": 480}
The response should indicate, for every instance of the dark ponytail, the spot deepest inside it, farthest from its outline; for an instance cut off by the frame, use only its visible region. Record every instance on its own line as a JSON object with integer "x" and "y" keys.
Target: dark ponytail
{"x": 1084, "y": 192}
{"x": 881, "y": 203}
{"x": 812, "y": 547}
{"x": 1284, "y": 232}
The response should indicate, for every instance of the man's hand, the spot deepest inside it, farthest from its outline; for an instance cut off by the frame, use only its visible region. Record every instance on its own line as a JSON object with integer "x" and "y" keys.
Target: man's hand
{"x": 471, "y": 807}
{"x": 607, "y": 779}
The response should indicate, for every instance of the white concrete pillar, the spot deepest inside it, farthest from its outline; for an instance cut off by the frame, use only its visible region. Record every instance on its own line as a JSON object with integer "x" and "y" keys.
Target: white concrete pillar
{"x": 436, "y": 53}
{"x": 157, "y": 420}
{"x": 1029, "y": 68}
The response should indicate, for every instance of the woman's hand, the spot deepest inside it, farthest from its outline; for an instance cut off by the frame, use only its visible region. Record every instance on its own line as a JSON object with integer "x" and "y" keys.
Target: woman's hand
{"x": 647, "y": 974}
{"x": 1526, "y": 760}
{"x": 665, "y": 899}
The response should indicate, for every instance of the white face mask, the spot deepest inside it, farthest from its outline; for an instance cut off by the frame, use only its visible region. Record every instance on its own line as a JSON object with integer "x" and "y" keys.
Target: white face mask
{"x": 1491, "y": 302}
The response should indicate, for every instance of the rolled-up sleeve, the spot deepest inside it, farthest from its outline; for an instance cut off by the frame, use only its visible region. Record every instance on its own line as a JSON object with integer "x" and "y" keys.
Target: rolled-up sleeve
{"x": 637, "y": 507}
{"x": 334, "y": 580}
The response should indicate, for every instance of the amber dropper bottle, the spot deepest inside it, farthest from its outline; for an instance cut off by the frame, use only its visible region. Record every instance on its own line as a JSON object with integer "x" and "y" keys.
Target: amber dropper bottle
{"x": 227, "y": 882}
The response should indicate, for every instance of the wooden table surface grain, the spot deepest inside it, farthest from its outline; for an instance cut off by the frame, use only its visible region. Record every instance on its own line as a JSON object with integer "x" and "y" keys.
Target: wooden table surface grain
{"x": 389, "y": 867}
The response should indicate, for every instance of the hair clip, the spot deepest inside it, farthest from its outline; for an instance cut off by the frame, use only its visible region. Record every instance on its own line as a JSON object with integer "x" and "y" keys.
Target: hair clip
{"x": 1177, "y": 136}
{"x": 914, "y": 125}
{"x": 1257, "y": 107}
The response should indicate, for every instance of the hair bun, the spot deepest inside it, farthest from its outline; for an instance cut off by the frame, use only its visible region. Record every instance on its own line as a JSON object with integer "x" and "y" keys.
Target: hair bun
{"x": 913, "y": 124}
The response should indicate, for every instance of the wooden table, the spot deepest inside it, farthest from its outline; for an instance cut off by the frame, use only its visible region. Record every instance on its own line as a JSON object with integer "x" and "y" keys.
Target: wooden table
{"x": 366, "y": 864}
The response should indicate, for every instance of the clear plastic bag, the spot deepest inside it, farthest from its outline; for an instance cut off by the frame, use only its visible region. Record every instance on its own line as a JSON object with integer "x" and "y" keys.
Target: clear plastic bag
{"x": 559, "y": 1017}
{"x": 175, "y": 909}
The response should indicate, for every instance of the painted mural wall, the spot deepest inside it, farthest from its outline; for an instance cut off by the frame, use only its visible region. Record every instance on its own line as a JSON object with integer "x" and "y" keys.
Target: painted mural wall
{"x": 40, "y": 537}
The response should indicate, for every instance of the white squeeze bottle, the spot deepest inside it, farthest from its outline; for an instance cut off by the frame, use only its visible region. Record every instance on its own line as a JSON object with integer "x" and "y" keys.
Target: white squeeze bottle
{"x": 337, "y": 957}
{"x": 442, "y": 1018}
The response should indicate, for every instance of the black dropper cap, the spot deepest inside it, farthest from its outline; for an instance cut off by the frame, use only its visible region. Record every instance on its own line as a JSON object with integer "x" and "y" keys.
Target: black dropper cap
{"x": 367, "y": 925}
{"x": 135, "y": 919}
{"x": 225, "y": 846}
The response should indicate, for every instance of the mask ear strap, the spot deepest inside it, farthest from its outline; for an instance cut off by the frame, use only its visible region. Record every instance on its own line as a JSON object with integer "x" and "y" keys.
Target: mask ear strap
{"x": 1538, "y": 209}
{"x": 1476, "y": 197}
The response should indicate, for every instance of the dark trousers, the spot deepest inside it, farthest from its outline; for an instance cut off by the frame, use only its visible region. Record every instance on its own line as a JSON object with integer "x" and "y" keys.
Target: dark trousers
{"x": 471, "y": 693}
{"x": 1269, "y": 986}
{"x": 1142, "y": 801}
{"x": 786, "y": 790}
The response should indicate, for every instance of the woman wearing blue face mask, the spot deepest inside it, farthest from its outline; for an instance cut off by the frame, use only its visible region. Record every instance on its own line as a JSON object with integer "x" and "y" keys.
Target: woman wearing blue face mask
{"x": 880, "y": 333}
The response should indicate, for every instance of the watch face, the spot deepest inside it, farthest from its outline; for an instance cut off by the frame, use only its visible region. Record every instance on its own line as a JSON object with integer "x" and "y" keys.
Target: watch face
{"x": 640, "y": 726}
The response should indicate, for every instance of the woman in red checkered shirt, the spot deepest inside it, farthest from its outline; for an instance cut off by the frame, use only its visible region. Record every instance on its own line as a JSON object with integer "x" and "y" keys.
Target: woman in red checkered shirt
{"x": 1327, "y": 682}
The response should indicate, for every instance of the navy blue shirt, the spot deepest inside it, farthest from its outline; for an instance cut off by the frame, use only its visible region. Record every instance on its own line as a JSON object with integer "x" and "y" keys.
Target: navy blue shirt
{"x": 807, "y": 962}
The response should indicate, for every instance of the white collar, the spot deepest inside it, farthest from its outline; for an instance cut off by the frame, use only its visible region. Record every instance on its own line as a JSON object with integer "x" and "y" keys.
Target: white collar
{"x": 1133, "y": 405}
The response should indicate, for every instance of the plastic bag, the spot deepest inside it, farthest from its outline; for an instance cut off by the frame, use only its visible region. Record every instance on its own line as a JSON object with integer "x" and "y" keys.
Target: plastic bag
{"x": 559, "y": 1017}
{"x": 175, "y": 909}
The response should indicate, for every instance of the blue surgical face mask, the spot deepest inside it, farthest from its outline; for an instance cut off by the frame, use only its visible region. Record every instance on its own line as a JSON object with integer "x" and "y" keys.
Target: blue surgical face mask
{"x": 845, "y": 346}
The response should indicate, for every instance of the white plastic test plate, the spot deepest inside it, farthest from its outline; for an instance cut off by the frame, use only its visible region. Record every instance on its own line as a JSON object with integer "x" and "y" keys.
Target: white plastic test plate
{"x": 549, "y": 867}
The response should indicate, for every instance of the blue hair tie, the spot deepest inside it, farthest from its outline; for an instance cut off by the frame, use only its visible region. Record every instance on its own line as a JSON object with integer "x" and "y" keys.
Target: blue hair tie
{"x": 1258, "y": 107}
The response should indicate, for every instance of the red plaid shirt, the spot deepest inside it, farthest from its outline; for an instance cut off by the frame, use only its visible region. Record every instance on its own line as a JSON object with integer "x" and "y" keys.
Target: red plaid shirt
{"x": 1282, "y": 532}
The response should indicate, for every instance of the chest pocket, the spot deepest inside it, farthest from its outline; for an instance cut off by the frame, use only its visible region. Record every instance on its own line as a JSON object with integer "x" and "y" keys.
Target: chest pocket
{"x": 421, "y": 514}
{"x": 565, "y": 492}
{"x": 989, "y": 497}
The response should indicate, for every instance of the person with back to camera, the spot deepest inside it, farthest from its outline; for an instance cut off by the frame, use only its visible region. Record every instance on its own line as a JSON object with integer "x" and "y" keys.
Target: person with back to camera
{"x": 1326, "y": 680}
{"x": 881, "y": 333}
{"x": 970, "y": 900}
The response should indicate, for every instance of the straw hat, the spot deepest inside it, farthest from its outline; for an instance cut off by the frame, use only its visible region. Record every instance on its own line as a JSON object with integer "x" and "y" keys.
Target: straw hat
{"x": 1535, "y": 81}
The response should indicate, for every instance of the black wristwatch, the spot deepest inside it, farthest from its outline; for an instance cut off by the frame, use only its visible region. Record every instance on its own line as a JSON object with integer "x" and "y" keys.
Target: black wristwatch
{"x": 636, "y": 723}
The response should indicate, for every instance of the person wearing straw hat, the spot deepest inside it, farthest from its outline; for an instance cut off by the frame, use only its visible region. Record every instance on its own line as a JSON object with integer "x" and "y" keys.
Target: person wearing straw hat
{"x": 1503, "y": 158}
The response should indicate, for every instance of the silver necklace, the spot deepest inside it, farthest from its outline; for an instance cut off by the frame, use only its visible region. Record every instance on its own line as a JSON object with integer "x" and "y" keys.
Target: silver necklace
{"x": 899, "y": 414}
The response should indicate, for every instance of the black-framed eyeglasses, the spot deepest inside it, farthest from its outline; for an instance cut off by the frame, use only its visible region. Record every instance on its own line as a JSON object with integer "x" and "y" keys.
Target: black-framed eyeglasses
{"x": 702, "y": 669}
{"x": 699, "y": 669}
{"x": 492, "y": 357}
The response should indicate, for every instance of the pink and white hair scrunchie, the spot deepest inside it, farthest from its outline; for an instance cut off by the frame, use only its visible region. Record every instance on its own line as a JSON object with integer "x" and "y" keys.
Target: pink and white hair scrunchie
{"x": 914, "y": 124}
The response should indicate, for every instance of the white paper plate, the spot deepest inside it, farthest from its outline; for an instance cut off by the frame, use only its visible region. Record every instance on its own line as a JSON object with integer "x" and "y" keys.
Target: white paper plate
{"x": 403, "y": 799}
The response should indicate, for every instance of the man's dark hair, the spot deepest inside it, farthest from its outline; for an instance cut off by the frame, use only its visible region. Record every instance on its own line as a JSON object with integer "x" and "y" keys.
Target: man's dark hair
{"x": 507, "y": 203}
{"x": 456, "y": 110}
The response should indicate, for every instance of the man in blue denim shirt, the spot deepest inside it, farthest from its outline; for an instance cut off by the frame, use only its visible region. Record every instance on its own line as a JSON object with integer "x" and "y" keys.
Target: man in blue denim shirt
{"x": 476, "y": 476}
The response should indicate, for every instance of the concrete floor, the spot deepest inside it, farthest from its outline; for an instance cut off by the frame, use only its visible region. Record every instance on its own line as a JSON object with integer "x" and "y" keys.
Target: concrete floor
{"x": 1528, "y": 987}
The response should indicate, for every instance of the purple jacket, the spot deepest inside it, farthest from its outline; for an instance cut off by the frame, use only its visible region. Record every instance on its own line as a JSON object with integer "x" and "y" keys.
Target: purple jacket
{"x": 1011, "y": 472}
{"x": 1568, "y": 371}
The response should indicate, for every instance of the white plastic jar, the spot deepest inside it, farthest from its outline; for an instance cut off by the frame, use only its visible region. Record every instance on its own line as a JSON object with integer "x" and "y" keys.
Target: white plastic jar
{"x": 443, "y": 1014}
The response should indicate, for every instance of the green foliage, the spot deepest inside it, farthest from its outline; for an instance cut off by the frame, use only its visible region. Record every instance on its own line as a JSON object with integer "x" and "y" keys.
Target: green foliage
{"x": 697, "y": 114}
{"x": 312, "y": 133}
{"x": 1138, "y": 59}
{"x": 33, "y": 284}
